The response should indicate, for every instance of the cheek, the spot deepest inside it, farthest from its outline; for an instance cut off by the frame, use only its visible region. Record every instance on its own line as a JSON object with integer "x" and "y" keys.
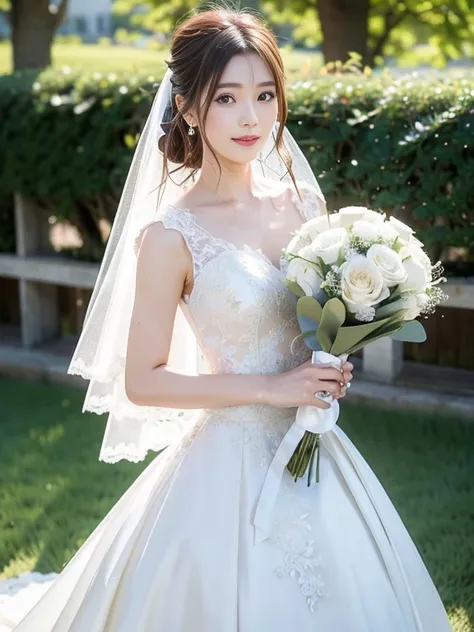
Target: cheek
{"x": 217, "y": 122}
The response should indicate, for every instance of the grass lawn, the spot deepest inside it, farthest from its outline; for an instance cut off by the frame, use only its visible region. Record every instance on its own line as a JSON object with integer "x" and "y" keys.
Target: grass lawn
{"x": 298, "y": 64}
{"x": 54, "y": 491}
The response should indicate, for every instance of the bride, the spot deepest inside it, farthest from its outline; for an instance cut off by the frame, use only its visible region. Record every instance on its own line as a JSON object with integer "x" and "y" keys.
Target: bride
{"x": 191, "y": 343}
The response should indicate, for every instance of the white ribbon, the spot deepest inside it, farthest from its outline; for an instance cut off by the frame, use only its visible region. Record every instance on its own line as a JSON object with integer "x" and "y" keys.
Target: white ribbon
{"x": 308, "y": 418}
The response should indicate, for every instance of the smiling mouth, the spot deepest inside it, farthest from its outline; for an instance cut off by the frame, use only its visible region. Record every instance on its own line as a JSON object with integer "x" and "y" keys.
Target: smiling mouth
{"x": 247, "y": 138}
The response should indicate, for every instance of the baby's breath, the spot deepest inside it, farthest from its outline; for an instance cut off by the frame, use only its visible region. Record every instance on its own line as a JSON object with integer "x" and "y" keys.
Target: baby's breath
{"x": 357, "y": 245}
{"x": 435, "y": 297}
{"x": 437, "y": 272}
{"x": 365, "y": 314}
{"x": 332, "y": 283}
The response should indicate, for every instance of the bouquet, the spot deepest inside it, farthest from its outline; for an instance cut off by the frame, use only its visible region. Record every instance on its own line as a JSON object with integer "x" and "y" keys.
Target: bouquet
{"x": 358, "y": 276}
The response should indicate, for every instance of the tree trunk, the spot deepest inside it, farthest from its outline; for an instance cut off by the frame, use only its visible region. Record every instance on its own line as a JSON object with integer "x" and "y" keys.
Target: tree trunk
{"x": 33, "y": 26}
{"x": 344, "y": 24}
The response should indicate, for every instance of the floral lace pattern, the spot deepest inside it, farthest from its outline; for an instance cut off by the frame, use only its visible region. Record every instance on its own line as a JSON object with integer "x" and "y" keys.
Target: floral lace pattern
{"x": 302, "y": 561}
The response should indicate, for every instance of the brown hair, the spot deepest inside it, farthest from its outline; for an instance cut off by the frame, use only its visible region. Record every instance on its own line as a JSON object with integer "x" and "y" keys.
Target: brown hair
{"x": 201, "y": 47}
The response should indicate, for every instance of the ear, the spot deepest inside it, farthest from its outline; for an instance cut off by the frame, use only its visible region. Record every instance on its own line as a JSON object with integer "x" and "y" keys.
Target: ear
{"x": 180, "y": 104}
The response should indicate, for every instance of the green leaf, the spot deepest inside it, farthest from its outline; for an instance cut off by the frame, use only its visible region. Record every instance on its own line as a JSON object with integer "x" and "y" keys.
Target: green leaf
{"x": 383, "y": 332}
{"x": 332, "y": 319}
{"x": 412, "y": 331}
{"x": 349, "y": 338}
{"x": 294, "y": 287}
{"x": 308, "y": 307}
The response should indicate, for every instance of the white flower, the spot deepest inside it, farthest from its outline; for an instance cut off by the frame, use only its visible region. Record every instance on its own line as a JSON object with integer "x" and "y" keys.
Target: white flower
{"x": 423, "y": 300}
{"x": 417, "y": 279}
{"x": 418, "y": 267}
{"x": 350, "y": 214}
{"x": 388, "y": 232}
{"x": 417, "y": 253}
{"x": 327, "y": 245}
{"x": 416, "y": 242}
{"x": 298, "y": 241}
{"x": 362, "y": 284}
{"x": 365, "y": 230}
{"x": 319, "y": 224}
{"x": 404, "y": 231}
{"x": 373, "y": 217}
{"x": 304, "y": 275}
{"x": 389, "y": 263}
{"x": 365, "y": 314}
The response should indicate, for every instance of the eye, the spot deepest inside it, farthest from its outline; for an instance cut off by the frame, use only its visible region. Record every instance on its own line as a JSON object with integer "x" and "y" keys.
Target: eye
{"x": 272, "y": 95}
{"x": 224, "y": 96}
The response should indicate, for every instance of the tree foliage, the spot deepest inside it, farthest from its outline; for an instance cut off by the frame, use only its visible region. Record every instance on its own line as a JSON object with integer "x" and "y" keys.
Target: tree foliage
{"x": 392, "y": 27}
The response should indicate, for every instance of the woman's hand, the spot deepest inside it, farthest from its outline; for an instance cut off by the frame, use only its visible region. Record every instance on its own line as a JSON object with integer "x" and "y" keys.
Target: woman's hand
{"x": 298, "y": 386}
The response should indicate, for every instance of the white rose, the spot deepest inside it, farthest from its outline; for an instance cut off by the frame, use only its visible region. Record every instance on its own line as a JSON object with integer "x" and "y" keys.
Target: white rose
{"x": 298, "y": 242}
{"x": 327, "y": 245}
{"x": 365, "y": 230}
{"x": 315, "y": 226}
{"x": 418, "y": 267}
{"x": 362, "y": 284}
{"x": 416, "y": 242}
{"x": 304, "y": 275}
{"x": 417, "y": 278}
{"x": 404, "y": 231}
{"x": 389, "y": 263}
{"x": 373, "y": 217}
{"x": 408, "y": 304}
{"x": 388, "y": 232}
{"x": 350, "y": 214}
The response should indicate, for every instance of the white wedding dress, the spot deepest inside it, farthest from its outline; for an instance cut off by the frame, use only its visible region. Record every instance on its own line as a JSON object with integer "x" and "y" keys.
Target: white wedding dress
{"x": 179, "y": 553}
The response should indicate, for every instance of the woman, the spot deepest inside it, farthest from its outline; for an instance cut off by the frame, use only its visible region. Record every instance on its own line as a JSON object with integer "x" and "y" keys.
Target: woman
{"x": 192, "y": 546}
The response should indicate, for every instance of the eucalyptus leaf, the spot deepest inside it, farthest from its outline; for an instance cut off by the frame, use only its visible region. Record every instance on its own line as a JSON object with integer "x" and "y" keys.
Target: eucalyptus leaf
{"x": 349, "y": 337}
{"x": 308, "y": 329}
{"x": 294, "y": 287}
{"x": 310, "y": 308}
{"x": 383, "y": 332}
{"x": 332, "y": 319}
{"x": 412, "y": 331}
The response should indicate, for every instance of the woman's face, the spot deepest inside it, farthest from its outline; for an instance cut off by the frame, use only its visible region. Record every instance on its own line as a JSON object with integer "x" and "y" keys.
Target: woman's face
{"x": 244, "y": 104}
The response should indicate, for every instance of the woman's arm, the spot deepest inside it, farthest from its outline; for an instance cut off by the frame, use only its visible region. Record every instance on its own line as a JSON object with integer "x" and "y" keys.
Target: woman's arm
{"x": 163, "y": 266}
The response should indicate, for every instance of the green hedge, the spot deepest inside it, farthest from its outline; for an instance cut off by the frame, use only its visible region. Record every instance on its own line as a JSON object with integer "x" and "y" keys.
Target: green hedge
{"x": 405, "y": 145}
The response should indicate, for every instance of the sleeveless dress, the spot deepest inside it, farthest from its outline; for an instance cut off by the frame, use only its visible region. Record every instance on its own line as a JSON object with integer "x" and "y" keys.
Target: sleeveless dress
{"x": 178, "y": 552}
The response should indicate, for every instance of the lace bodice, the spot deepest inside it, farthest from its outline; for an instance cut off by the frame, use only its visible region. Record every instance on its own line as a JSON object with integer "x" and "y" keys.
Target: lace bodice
{"x": 242, "y": 314}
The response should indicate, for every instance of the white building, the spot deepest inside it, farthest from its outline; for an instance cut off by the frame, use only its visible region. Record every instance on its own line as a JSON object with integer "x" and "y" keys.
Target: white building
{"x": 90, "y": 19}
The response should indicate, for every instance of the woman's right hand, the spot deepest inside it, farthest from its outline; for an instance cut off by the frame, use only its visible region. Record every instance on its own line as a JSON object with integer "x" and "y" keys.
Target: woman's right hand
{"x": 298, "y": 386}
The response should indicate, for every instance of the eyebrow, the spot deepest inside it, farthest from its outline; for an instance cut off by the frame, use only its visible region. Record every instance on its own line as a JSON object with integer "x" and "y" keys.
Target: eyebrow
{"x": 239, "y": 85}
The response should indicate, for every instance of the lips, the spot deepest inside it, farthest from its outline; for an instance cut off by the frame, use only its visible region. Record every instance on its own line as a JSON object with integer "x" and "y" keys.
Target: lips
{"x": 246, "y": 141}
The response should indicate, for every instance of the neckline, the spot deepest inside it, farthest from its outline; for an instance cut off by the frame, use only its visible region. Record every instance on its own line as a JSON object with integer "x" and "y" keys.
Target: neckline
{"x": 231, "y": 245}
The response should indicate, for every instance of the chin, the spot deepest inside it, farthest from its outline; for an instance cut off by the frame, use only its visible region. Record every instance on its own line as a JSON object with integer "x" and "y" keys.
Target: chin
{"x": 244, "y": 156}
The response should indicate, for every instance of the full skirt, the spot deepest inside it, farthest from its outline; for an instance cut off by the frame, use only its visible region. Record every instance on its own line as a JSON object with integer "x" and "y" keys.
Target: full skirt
{"x": 177, "y": 552}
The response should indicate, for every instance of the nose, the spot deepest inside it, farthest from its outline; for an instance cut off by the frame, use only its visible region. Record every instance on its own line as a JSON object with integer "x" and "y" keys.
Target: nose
{"x": 249, "y": 115}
